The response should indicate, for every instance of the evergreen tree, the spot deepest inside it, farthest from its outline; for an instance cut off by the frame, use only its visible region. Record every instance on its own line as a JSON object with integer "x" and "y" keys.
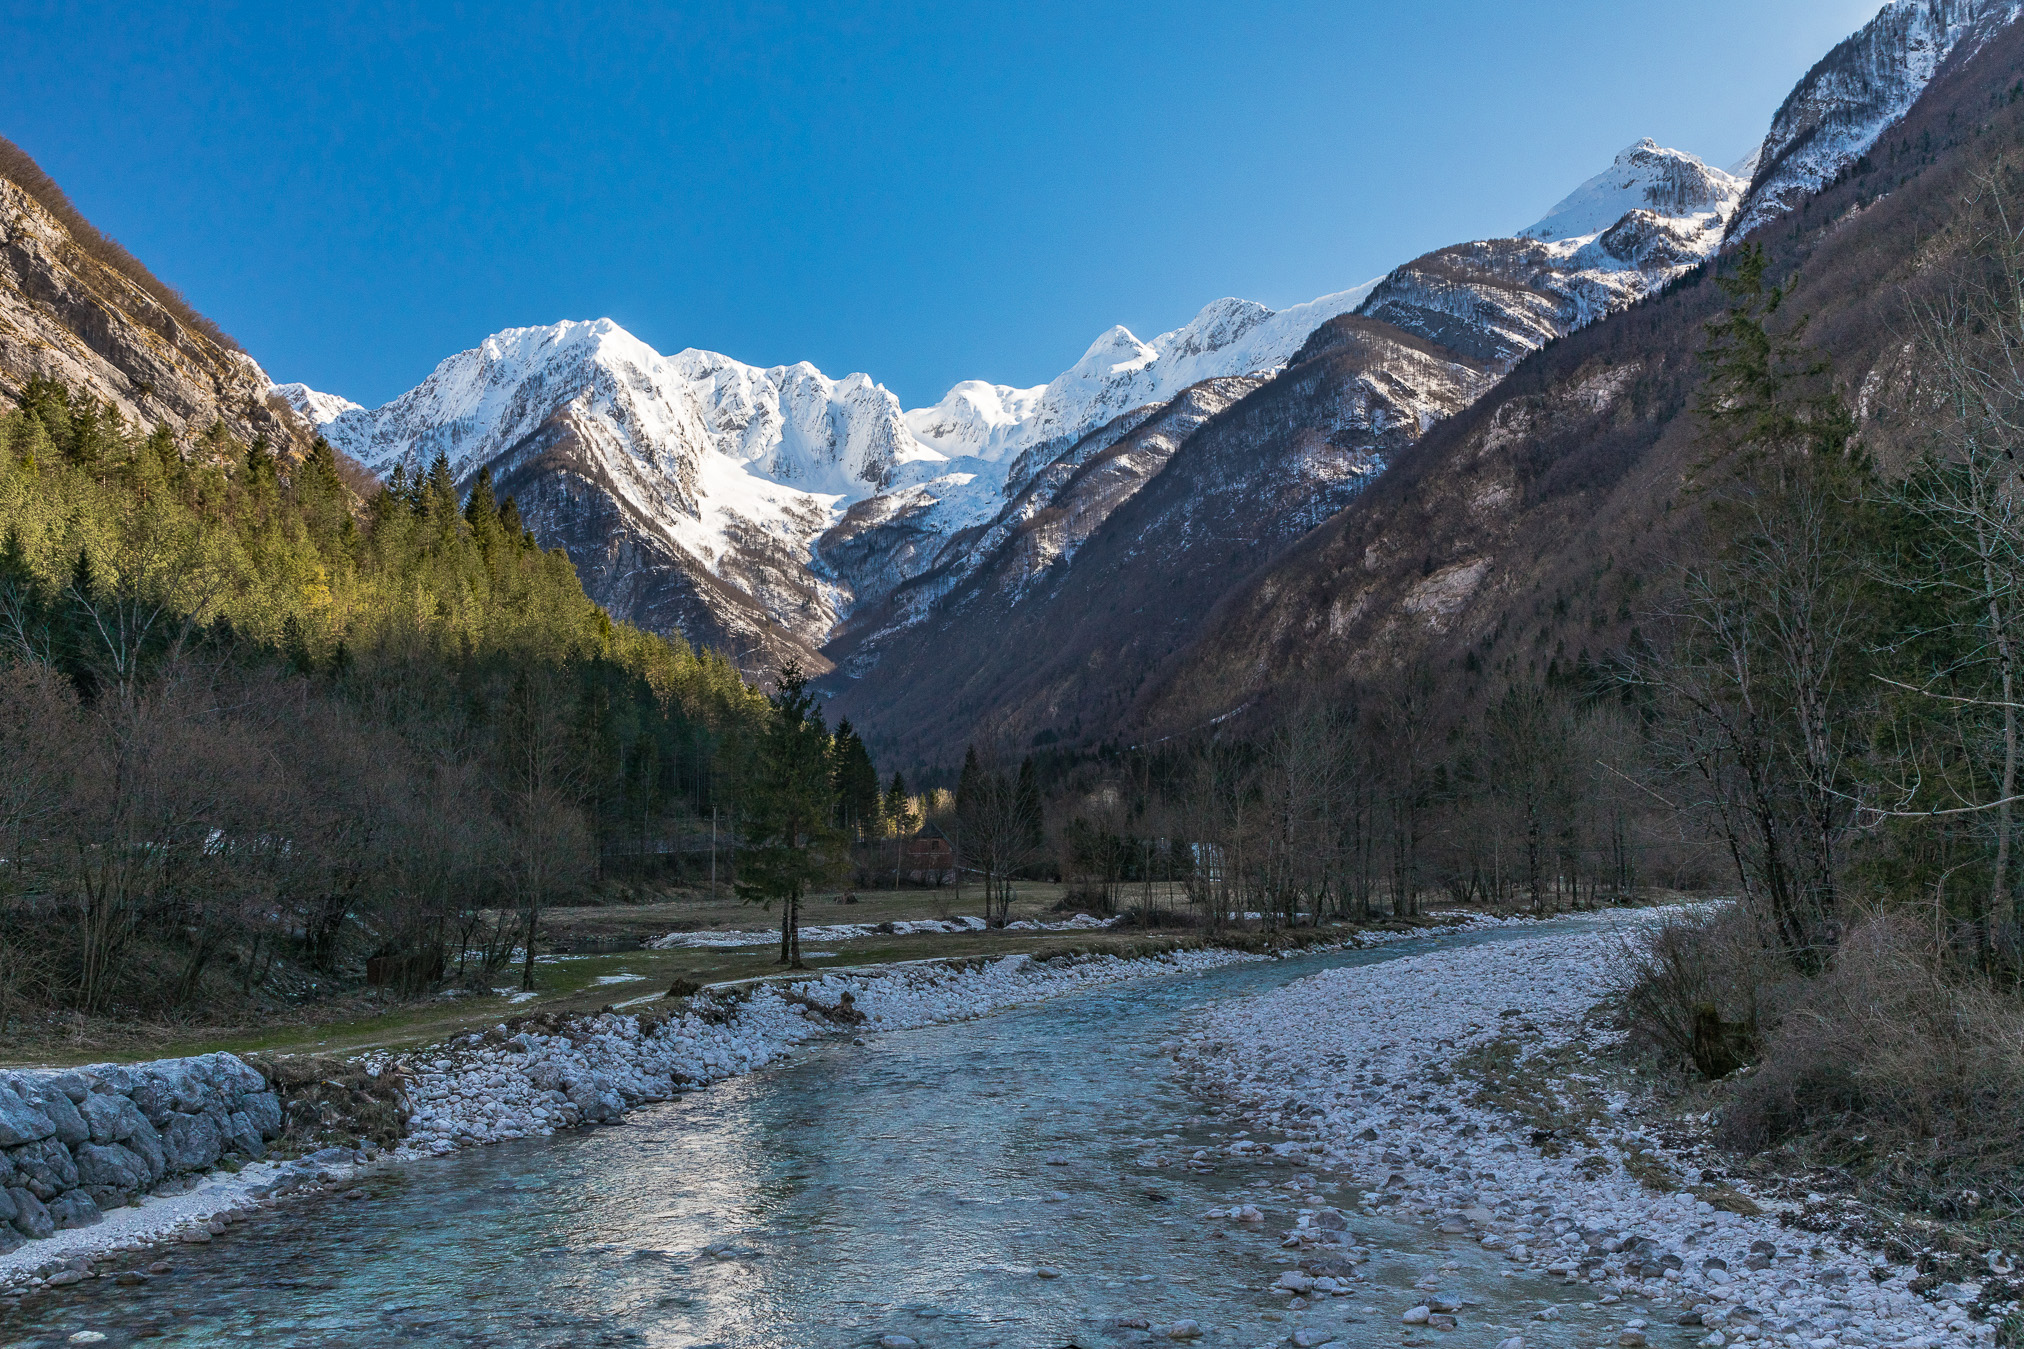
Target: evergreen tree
{"x": 898, "y": 808}
{"x": 514, "y": 532}
{"x": 481, "y": 513}
{"x": 786, "y": 805}
{"x": 1032, "y": 820}
{"x": 971, "y": 786}
{"x": 855, "y": 781}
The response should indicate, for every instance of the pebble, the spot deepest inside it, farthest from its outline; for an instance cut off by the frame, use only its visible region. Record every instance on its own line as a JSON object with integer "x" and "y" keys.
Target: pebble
{"x": 473, "y": 1092}
{"x": 1185, "y": 1330}
{"x": 1338, "y": 1065}
{"x": 1046, "y": 1272}
{"x": 898, "y": 1342}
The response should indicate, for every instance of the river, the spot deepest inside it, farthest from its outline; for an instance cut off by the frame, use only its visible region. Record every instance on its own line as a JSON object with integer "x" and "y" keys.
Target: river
{"x": 908, "y": 1186}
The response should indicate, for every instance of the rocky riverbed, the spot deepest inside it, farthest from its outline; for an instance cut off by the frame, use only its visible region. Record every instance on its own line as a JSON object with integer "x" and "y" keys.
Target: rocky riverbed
{"x": 1469, "y": 1087}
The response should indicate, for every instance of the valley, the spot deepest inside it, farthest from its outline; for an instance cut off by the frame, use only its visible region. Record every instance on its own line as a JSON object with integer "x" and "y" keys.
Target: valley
{"x": 1480, "y": 807}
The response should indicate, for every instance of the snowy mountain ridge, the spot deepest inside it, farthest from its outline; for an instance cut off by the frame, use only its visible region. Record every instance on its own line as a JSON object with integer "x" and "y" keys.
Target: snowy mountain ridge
{"x": 1857, "y": 92}
{"x": 747, "y": 474}
{"x": 1644, "y": 177}
{"x": 763, "y": 506}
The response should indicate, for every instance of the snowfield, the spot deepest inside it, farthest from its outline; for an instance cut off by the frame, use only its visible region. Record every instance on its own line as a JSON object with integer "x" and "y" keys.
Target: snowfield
{"x": 1374, "y": 1069}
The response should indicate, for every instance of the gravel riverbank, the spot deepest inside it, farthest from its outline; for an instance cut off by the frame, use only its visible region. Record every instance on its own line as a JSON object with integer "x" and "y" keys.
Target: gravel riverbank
{"x": 1458, "y": 1085}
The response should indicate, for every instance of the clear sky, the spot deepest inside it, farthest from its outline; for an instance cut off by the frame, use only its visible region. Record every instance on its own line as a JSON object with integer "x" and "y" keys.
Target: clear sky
{"x": 926, "y": 192}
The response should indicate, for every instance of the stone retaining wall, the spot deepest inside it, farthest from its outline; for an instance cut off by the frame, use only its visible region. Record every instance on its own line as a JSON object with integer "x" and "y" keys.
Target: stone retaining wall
{"x": 75, "y": 1143}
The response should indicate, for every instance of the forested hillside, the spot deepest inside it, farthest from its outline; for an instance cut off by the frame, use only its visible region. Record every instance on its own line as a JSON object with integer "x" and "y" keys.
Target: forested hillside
{"x": 260, "y": 738}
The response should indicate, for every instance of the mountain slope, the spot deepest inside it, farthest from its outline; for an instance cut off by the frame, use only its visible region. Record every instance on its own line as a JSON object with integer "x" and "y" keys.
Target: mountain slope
{"x": 694, "y": 491}
{"x": 1859, "y": 89}
{"x": 1519, "y": 537}
{"x": 76, "y": 308}
{"x": 1052, "y": 620}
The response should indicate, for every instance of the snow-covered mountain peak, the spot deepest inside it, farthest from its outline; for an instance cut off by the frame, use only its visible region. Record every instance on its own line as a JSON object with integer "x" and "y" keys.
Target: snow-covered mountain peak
{"x": 1115, "y": 354}
{"x": 316, "y": 408}
{"x": 1855, "y": 93}
{"x": 1221, "y": 323}
{"x": 1646, "y": 176}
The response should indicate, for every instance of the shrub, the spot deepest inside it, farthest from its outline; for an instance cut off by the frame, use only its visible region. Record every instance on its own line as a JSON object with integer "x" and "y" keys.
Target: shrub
{"x": 1692, "y": 992}
{"x": 1901, "y": 1065}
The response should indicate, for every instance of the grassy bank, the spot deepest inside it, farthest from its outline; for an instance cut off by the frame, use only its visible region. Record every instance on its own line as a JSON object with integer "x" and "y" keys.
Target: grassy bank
{"x": 633, "y": 976}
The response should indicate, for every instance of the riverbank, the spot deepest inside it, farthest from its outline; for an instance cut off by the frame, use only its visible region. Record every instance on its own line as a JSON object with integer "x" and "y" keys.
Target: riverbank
{"x": 534, "y": 1075}
{"x": 1479, "y": 1090}
{"x": 573, "y": 984}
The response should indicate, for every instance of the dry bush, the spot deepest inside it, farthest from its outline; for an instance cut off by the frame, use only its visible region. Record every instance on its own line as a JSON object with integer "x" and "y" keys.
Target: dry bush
{"x": 1693, "y": 992}
{"x": 1896, "y": 1062}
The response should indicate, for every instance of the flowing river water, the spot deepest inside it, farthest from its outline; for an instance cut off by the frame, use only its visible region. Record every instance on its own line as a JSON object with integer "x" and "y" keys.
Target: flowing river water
{"x": 908, "y": 1186}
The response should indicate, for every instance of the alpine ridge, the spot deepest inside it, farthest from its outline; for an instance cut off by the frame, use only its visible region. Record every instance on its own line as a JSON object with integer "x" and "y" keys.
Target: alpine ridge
{"x": 1859, "y": 90}
{"x": 779, "y": 513}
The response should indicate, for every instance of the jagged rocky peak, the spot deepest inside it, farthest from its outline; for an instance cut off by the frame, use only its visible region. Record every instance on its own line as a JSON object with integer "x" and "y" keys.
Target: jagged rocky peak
{"x": 1645, "y": 177}
{"x": 788, "y": 424}
{"x": 975, "y": 419}
{"x": 1857, "y": 91}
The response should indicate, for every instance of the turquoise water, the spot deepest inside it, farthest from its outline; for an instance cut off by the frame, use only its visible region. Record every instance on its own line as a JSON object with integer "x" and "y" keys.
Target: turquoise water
{"x": 909, "y": 1186}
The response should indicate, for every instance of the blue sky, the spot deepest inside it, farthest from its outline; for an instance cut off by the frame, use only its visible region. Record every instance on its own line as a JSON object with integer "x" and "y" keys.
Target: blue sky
{"x": 924, "y": 192}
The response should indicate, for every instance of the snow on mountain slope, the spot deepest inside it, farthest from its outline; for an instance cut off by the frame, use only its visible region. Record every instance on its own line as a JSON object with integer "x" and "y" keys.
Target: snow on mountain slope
{"x": 716, "y": 458}
{"x": 800, "y": 499}
{"x": 1119, "y": 372}
{"x": 1857, "y": 91}
{"x": 1645, "y": 177}
{"x": 318, "y": 408}
{"x": 1612, "y": 241}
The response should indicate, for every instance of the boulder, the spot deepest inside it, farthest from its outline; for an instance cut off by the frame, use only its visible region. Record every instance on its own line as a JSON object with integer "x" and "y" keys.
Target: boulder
{"x": 46, "y": 1167}
{"x": 30, "y": 1217}
{"x": 21, "y": 1122}
{"x": 234, "y": 1076}
{"x": 74, "y": 1208}
{"x": 147, "y": 1145}
{"x": 62, "y": 1112}
{"x": 74, "y": 1085}
{"x": 152, "y": 1096}
{"x": 111, "y": 1166}
{"x": 264, "y": 1109}
{"x": 244, "y": 1135}
{"x": 112, "y": 1119}
{"x": 191, "y": 1142}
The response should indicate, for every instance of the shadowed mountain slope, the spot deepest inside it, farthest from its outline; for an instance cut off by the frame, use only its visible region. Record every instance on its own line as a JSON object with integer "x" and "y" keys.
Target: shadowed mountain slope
{"x": 1522, "y": 535}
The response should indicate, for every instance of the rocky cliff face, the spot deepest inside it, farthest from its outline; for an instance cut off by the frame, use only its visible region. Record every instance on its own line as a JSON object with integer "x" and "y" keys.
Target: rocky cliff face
{"x": 66, "y": 315}
{"x": 1859, "y": 90}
